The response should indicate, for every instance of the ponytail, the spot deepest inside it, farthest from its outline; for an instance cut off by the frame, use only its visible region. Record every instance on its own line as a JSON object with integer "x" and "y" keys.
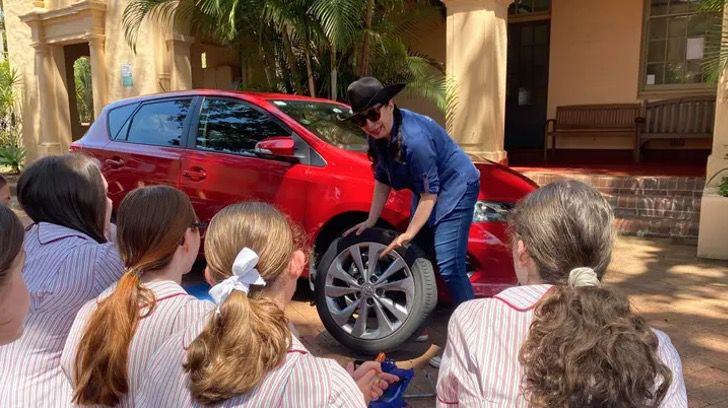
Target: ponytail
{"x": 245, "y": 340}
{"x": 101, "y": 376}
{"x": 586, "y": 347}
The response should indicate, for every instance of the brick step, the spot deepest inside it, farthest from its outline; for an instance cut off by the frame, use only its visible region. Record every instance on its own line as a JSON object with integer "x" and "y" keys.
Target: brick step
{"x": 630, "y": 185}
{"x": 657, "y": 206}
{"x": 657, "y": 227}
{"x": 654, "y": 205}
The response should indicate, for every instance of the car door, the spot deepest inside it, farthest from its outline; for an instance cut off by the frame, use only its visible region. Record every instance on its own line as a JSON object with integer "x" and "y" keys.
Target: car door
{"x": 147, "y": 149}
{"x": 222, "y": 166}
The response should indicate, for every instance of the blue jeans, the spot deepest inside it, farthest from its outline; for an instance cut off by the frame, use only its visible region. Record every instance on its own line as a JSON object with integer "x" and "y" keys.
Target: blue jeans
{"x": 450, "y": 240}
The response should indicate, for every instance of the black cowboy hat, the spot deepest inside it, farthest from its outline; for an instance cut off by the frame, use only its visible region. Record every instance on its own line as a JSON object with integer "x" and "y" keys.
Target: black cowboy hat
{"x": 368, "y": 91}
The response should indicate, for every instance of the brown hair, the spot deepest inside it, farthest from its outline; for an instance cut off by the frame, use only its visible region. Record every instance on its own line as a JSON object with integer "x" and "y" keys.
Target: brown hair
{"x": 11, "y": 240}
{"x": 585, "y": 346}
{"x": 65, "y": 190}
{"x": 152, "y": 222}
{"x": 249, "y": 336}
{"x": 3, "y": 181}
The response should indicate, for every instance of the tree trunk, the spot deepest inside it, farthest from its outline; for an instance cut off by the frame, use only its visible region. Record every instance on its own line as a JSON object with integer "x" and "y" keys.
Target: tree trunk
{"x": 364, "y": 61}
{"x": 333, "y": 73}
{"x": 309, "y": 70}
{"x": 291, "y": 62}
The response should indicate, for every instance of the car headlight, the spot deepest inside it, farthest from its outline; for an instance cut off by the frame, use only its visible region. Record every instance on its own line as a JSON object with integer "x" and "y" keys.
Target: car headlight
{"x": 486, "y": 211}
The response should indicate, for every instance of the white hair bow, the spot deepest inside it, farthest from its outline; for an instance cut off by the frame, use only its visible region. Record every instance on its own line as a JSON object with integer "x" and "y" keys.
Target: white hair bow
{"x": 244, "y": 275}
{"x": 583, "y": 276}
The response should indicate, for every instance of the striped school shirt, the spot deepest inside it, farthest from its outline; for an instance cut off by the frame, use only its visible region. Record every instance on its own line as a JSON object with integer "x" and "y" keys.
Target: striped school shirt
{"x": 64, "y": 269}
{"x": 480, "y": 365}
{"x": 175, "y": 310}
{"x": 302, "y": 381}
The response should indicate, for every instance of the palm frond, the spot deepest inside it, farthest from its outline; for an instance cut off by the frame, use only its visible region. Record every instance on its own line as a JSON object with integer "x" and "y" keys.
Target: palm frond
{"x": 339, "y": 19}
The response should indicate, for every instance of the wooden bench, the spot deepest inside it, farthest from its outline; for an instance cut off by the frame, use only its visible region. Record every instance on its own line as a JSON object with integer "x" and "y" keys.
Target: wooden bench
{"x": 678, "y": 119}
{"x": 586, "y": 120}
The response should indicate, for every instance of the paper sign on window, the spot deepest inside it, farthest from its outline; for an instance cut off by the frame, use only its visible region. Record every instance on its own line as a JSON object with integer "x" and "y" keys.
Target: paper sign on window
{"x": 695, "y": 48}
{"x": 650, "y": 79}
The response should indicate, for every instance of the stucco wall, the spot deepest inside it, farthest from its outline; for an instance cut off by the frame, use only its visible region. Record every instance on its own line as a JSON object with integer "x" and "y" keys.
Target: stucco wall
{"x": 431, "y": 41}
{"x": 22, "y": 58}
{"x": 594, "y": 59}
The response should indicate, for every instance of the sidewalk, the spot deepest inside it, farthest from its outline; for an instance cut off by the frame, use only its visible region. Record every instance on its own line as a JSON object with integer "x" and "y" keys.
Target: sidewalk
{"x": 676, "y": 292}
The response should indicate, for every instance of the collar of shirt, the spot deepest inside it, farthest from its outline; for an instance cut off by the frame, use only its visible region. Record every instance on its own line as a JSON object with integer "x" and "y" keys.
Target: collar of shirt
{"x": 48, "y": 233}
{"x": 165, "y": 289}
{"x": 523, "y": 298}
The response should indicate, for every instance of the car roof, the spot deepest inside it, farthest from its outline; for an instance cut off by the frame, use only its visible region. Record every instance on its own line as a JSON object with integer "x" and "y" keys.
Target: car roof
{"x": 262, "y": 96}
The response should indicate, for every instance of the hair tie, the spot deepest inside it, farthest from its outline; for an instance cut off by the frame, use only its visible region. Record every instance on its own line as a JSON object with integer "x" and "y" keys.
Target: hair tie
{"x": 244, "y": 275}
{"x": 583, "y": 276}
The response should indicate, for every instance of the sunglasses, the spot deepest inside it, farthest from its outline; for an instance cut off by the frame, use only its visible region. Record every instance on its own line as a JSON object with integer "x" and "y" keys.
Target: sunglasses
{"x": 372, "y": 115}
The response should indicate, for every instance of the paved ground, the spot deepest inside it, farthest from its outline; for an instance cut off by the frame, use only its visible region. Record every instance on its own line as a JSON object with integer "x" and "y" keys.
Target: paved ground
{"x": 677, "y": 292}
{"x": 685, "y": 296}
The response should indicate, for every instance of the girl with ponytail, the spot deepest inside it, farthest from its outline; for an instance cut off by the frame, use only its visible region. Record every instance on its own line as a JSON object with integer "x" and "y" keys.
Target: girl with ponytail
{"x": 560, "y": 339}
{"x": 114, "y": 335}
{"x": 245, "y": 354}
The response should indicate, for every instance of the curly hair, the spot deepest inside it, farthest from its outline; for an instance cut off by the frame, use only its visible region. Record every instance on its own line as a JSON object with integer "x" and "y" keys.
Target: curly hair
{"x": 586, "y": 348}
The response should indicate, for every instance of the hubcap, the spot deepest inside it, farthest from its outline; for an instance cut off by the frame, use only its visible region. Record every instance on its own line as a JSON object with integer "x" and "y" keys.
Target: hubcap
{"x": 368, "y": 297}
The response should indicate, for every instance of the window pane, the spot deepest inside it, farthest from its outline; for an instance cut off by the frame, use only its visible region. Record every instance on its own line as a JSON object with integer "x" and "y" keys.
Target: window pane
{"x": 233, "y": 126}
{"x": 682, "y": 6}
{"x": 676, "y": 50}
{"x": 541, "y": 5}
{"x": 655, "y": 73}
{"x": 697, "y": 25}
{"x": 656, "y": 51}
{"x": 658, "y": 7}
{"x": 540, "y": 56}
{"x": 694, "y": 72}
{"x": 658, "y": 28}
{"x": 118, "y": 117}
{"x": 159, "y": 123}
{"x": 674, "y": 73}
{"x": 677, "y": 26}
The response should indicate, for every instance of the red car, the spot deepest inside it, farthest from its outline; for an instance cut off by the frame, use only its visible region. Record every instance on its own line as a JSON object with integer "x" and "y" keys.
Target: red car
{"x": 222, "y": 147}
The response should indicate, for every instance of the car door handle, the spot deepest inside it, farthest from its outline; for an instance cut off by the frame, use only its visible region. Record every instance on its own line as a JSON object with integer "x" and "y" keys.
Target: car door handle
{"x": 114, "y": 163}
{"x": 195, "y": 174}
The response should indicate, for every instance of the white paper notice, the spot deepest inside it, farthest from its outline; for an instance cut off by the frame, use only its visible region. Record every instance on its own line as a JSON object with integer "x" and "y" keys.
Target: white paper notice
{"x": 650, "y": 79}
{"x": 696, "y": 48}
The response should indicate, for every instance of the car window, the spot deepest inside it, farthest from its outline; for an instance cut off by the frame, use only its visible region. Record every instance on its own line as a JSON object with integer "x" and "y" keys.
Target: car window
{"x": 325, "y": 120}
{"x": 118, "y": 118}
{"x": 159, "y": 123}
{"x": 234, "y": 126}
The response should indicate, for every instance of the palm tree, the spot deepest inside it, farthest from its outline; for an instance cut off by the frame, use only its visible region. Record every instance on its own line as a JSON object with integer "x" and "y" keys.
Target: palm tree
{"x": 716, "y": 55}
{"x": 311, "y": 46}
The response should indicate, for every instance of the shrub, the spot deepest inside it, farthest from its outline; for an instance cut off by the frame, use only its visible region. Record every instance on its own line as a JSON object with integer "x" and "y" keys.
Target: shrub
{"x": 13, "y": 157}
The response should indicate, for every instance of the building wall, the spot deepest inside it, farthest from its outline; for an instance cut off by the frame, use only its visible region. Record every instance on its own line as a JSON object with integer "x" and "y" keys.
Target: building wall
{"x": 594, "y": 59}
{"x": 431, "y": 41}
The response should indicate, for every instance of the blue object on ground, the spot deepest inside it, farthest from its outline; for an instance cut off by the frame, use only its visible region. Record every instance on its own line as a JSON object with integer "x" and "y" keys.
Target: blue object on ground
{"x": 394, "y": 396}
{"x": 199, "y": 290}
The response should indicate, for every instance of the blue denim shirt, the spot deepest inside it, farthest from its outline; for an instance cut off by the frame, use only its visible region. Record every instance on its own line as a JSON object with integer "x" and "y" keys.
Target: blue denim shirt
{"x": 430, "y": 162}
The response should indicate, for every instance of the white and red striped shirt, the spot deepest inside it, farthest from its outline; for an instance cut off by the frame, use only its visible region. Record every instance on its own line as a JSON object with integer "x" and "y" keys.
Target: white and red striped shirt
{"x": 175, "y": 311}
{"x": 302, "y": 381}
{"x": 64, "y": 269}
{"x": 480, "y": 365}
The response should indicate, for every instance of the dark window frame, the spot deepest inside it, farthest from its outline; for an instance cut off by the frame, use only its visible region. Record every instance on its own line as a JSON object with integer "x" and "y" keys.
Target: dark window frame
{"x": 185, "y": 124}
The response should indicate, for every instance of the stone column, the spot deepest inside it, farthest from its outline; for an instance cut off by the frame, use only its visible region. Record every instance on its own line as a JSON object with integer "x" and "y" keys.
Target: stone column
{"x": 713, "y": 232}
{"x": 97, "y": 48}
{"x": 178, "y": 46}
{"x": 477, "y": 46}
{"x": 48, "y": 138}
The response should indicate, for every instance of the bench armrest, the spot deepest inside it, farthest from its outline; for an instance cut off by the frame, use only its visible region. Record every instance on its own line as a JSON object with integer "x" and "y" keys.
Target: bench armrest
{"x": 553, "y": 125}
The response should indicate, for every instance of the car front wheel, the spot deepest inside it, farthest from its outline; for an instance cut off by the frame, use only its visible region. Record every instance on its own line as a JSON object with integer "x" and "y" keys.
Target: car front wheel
{"x": 371, "y": 304}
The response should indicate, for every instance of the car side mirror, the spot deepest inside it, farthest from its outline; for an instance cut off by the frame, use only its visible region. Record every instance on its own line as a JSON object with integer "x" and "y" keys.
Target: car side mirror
{"x": 277, "y": 146}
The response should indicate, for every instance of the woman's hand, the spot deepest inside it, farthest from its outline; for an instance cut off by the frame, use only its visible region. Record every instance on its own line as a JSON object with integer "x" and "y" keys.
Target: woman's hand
{"x": 400, "y": 241}
{"x": 370, "y": 378}
{"x": 360, "y": 227}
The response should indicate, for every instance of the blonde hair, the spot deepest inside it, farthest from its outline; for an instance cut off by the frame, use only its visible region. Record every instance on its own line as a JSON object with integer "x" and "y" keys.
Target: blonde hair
{"x": 249, "y": 336}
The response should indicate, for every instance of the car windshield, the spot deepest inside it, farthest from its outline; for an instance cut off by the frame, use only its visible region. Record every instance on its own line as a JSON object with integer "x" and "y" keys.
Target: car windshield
{"x": 324, "y": 120}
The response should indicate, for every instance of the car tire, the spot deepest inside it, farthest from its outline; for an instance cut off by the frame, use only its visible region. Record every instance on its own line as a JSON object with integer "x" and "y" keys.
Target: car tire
{"x": 394, "y": 301}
